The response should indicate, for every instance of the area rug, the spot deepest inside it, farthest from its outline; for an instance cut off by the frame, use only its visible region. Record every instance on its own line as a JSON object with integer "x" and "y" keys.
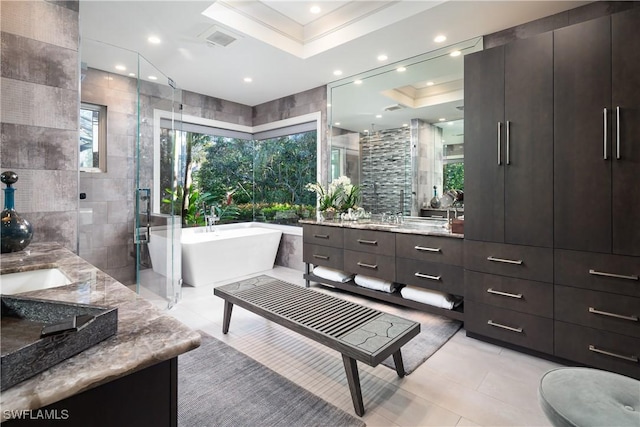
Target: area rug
{"x": 219, "y": 386}
{"x": 435, "y": 330}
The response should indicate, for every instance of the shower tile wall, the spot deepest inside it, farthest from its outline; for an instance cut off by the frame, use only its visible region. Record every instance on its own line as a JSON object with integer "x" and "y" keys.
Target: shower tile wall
{"x": 39, "y": 114}
{"x": 106, "y": 215}
{"x": 386, "y": 170}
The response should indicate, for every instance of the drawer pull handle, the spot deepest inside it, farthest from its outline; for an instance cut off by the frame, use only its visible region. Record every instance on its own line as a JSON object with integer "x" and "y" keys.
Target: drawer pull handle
{"x": 368, "y": 242}
{"x": 321, "y": 236}
{"x": 422, "y": 248}
{"x": 608, "y": 353}
{"x": 320, "y": 256}
{"x": 506, "y": 261}
{"x": 508, "y": 328}
{"x": 436, "y": 216}
{"x": 427, "y": 276}
{"x": 504, "y": 294}
{"x": 371, "y": 266}
{"x": 617, "y": 276}
{"x": 617, "y": 316}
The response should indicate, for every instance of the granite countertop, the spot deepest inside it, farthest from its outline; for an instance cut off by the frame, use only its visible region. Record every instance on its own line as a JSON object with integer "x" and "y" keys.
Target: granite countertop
{"x": 146, "y": 335}
{"x": 423, "y": 227}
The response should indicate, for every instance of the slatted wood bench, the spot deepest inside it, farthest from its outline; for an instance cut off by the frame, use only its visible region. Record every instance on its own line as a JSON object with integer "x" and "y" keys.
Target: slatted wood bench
{"x": 357, "y": 332}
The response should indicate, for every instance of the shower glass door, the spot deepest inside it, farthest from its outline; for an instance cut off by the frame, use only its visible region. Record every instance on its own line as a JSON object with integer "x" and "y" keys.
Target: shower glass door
{"x": 156, "y": 234}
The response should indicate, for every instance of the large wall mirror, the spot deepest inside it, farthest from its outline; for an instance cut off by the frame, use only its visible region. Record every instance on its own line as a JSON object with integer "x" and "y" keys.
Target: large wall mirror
{"x": 397, "y": 131}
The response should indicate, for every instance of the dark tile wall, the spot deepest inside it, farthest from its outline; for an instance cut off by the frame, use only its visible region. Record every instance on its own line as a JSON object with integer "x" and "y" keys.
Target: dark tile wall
{"x": 39, "y": 114}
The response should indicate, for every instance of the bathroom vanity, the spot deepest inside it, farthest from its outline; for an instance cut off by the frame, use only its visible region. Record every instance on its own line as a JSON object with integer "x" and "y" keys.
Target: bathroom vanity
{"x": 127, "y": 379}
{"x": 422, "y": 254}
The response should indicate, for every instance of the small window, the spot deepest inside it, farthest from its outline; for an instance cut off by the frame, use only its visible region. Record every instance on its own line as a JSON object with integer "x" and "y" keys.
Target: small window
{"x": 93, "y": 138}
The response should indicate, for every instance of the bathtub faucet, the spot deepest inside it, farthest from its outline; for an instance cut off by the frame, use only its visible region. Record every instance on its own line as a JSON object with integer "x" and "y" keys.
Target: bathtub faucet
{"x": 210, "y": 220}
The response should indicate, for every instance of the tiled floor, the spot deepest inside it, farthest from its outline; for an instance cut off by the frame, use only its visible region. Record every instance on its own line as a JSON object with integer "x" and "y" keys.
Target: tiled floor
{"x": 466, "y": 383}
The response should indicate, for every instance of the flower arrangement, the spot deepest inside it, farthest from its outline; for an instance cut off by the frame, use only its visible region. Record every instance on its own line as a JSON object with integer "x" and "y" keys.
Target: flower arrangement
{"x": 338, "y": 197}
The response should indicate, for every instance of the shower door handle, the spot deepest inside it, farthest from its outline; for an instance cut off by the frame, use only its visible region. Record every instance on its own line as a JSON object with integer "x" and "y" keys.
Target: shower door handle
{"x": 143, "y": 207}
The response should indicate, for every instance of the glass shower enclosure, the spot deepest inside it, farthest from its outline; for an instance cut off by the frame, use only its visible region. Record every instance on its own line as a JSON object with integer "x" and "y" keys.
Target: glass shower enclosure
{"x": 122, "y": 230}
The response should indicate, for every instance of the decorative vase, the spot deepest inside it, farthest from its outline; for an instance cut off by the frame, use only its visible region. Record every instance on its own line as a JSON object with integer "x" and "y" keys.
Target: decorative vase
{"x": 15, "y": 231}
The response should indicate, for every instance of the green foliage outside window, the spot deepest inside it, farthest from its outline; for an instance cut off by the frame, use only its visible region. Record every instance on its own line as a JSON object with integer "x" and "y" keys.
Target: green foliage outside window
{"x": 454, "y": 176}
{"x": 244, "y": 179}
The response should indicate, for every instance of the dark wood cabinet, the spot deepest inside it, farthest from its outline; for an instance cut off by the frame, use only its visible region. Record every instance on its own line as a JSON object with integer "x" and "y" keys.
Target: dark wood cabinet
{"x": 424, "y": 261}
{"x": 509, "y": 143}
{"x": 597, "y": 126}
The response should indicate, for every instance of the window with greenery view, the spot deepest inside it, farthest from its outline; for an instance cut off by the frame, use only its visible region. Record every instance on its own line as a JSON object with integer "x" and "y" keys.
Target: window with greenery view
{"x": 242, "y": 179}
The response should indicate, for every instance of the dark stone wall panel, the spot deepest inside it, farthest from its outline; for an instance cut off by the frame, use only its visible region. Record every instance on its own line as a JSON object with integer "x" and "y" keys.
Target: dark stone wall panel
{"x": 33, "y": 147}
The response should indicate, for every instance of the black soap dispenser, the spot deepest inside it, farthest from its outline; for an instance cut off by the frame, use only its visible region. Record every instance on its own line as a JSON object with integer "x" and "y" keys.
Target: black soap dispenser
{"x": 15, "y": 231}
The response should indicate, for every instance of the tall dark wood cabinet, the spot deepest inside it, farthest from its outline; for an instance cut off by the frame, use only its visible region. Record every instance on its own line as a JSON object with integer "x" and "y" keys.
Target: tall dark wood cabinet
{"x": 552, "y": 226}
{"x": 509, "y": 193}
{"x": 597, "y": 129}
{"x": 509, "y": 141}
{"x": 597, "y": 193}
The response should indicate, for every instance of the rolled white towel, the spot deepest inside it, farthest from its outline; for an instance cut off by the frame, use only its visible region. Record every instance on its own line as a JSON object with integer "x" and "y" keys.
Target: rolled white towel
{"x": 375, "y": 283}
{"x": 332, "y": 274}
{"x": 426, "y": 296}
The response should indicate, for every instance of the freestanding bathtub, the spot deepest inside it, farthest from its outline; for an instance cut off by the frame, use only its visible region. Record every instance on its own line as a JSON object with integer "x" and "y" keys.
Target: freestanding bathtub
{"x": 228, "y": 252}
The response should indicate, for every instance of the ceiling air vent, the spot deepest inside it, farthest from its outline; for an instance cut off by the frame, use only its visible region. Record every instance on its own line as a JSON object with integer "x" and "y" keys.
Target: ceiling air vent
{"x": 394, "y": 107}
{"x": 218, "y": 37}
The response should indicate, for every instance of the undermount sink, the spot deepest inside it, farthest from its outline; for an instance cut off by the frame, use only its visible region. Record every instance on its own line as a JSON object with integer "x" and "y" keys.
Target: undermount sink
{"x": 33, "y": 280}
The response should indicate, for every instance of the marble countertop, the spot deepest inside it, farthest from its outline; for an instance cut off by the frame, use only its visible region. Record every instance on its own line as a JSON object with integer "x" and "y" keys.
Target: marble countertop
{"x": 146, "y": 335}
{"x": 423, "y": 227}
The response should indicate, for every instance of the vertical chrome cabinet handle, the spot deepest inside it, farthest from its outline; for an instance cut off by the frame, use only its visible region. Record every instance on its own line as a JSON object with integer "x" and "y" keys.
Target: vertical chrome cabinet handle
{"x": 508, "y": 143}
{"x": 499, "y": 153}
{"x": 605, "y": 133}
{"x": 618, "y": 132}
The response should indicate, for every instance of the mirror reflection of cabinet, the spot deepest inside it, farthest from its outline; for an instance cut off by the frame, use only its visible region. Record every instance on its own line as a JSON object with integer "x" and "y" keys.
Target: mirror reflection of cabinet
{"x": 397, "y": 131}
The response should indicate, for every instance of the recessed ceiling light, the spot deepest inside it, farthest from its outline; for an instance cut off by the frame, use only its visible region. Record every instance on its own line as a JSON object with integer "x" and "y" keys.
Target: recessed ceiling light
{"x": 315, "y": 9}
{"x": 441, "y": 119}
{"x": 358, "y": 82}
{"x": 366, "y": 131}
{"x": 382, "y": 57}
{"x": 154, "y": 40}
{"x": 120, "y": 67}
{"x": 455, "y": 53}
{"x": 132, "y": 74}
{"x": 440, "y": 38}
{"x": 248, "y": 79}
{"x": 337, "y": 124}
{"x": 153, "y": 78}
{"x": 401, "y": 69}
{"x": 337, "y": 73}
{"x": 378, "y": 116}
{"x": 328, "y": 105}
{"x": 404, "y": 125}
{"x": 430, "y": 83}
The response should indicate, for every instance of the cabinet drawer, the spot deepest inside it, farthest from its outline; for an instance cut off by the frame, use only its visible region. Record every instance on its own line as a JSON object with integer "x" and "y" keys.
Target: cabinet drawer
{"x": 600, "y": 272}
{"x": 525, "y": 262}
{"x": 374, "y": 265}
{"x": 509, "y": 326}
{"x": 323, "y": 235}
{"x": 374, "y": 242}
{"x": 429, "y": 248}
{"x": 430, "y": 275}
{"x": 601, "y": 349}
{"x": 599, "y": 310}
{"x": 526, "y": 296}
{"x": 323, "y": 255}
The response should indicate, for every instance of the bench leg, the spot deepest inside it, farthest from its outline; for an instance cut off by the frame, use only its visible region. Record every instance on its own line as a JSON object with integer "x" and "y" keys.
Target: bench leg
{"x": 351, "y": 369}
{"x": 227, "y": 316}
{"x": 397, "y": 359}
{"x": 307, "y": 270}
